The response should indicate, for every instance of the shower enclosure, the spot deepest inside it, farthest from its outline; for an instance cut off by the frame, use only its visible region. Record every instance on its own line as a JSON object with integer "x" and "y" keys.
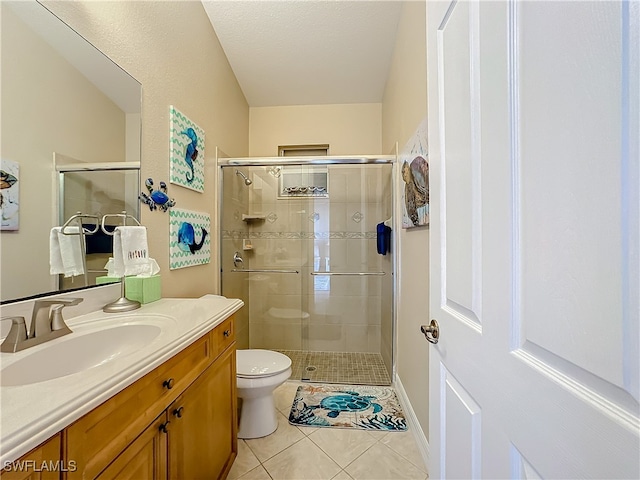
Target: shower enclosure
{"x": 299, "y": 246}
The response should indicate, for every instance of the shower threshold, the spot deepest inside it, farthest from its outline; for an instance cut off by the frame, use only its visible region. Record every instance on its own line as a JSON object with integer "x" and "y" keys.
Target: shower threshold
{"x": 338, "y": 367}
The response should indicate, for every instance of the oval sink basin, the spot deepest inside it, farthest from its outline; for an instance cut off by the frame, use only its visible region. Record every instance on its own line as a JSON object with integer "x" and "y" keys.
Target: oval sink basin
{"x": 77, "y": 353}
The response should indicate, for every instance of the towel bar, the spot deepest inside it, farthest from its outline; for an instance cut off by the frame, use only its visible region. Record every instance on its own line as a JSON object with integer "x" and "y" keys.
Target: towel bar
{"x": 348, "y": 273}
{"x": 261, "y": 270}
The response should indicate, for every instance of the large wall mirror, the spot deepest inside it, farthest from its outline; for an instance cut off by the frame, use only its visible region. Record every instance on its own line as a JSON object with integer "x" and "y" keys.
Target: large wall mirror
{"x": 70, "y": 132}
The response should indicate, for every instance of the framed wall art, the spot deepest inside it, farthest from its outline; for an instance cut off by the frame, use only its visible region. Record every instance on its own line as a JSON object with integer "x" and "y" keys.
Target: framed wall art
{"x": 190, "y": 238}
{"x": 186, "y": 147}
{"x": 415, "y": 177}
{"x": 9, "y": 195}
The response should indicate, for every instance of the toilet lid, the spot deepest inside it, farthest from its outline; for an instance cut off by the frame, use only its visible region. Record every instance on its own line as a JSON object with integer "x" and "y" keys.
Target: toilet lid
{"x": 260, "y": 363}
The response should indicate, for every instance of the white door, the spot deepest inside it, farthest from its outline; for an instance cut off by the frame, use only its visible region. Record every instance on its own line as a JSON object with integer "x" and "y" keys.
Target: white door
{"x": 533, "y": 131}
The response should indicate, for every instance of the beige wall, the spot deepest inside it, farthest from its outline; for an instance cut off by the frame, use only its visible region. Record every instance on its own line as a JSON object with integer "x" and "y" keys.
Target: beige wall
{"x": 404, "y": 107}
{"x": 353, "y": 129}
{"x": 41, "y": 114}
{"x": 183, "y": 67}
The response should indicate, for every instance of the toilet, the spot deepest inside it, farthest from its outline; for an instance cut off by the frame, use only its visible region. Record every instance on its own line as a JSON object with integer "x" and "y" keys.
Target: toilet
{"x": 259, "y": 373}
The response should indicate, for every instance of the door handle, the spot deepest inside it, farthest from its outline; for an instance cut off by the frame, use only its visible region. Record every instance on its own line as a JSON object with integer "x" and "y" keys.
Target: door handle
{"x": 431, "y": 331}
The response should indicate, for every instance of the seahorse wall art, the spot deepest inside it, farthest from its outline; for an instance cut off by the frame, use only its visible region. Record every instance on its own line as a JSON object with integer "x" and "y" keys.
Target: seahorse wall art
{"x": 190, "y": 239}
{"x": 186, "y": 151}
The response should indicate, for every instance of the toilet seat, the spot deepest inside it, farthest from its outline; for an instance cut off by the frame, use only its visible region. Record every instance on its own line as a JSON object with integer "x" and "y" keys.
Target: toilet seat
{"x": 256, "y": 363}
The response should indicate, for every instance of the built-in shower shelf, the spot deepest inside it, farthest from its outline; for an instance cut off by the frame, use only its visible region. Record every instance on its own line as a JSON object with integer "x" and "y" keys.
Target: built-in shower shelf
{"x": 253, "y": 218}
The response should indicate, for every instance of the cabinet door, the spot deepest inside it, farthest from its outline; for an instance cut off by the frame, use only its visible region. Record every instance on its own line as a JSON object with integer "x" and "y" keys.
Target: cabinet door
{"x": 203, "y": 433}
{"x": 41, "y": 463}
{"x": 145, "y": 458}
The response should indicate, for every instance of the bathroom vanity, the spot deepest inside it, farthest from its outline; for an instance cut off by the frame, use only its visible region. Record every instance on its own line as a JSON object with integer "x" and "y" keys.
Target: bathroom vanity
{"x": 165, "y": 410}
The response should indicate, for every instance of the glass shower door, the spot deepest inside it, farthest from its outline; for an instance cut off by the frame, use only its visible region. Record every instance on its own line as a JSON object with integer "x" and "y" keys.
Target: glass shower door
{"x": 262, "y": 232}
{"x": 349, "y": 285}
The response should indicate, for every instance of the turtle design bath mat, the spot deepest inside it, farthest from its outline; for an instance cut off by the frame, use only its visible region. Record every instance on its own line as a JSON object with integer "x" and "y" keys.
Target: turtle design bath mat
{"x": 347, "y": 406}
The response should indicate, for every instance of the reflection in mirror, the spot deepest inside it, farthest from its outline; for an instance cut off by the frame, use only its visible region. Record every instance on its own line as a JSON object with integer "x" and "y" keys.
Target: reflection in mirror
{"x": 67, "y": 110}
{"x": 95, "y": 190}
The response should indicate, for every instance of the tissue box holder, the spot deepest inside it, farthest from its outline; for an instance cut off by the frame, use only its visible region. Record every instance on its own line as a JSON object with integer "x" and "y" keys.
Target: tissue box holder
{"x": 143, "y": 289}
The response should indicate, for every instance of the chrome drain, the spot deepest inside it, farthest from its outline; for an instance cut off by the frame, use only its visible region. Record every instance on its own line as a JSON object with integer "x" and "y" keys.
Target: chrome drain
{"x": 306, "y": 375}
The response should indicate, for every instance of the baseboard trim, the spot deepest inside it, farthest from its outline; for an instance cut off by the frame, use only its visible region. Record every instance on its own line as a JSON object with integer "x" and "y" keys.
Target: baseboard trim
{"x": 413, "y": 423}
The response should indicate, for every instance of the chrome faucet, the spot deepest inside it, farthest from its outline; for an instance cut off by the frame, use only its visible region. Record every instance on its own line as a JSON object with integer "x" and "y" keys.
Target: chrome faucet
{"x": 46, "y": 324}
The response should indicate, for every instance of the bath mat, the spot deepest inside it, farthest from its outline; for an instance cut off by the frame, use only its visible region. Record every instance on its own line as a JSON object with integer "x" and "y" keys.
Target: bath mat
{"x": 347, "y": 406}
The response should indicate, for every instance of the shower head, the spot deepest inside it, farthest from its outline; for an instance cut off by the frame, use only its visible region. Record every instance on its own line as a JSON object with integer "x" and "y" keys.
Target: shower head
{"x": 246, "y": 180}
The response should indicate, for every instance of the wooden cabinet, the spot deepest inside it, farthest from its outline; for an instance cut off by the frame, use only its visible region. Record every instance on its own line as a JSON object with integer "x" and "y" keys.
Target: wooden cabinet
{"x": 41, "y": 463}
{"x": 97, "y": 438}
{"x": 145, "y": 457}
{"x": 179, "y": 420}
{"x": 202, "y": 432}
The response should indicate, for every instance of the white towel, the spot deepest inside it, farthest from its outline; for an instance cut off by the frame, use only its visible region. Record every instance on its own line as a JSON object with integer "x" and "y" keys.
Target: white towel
{"x": 55, "y": 257}
{"x": 65, "y": 252}
{"x": 130, "y": 251}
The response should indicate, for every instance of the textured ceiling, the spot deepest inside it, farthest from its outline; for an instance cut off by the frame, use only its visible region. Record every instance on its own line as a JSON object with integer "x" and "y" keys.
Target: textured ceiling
{"x": 307, "y": 52}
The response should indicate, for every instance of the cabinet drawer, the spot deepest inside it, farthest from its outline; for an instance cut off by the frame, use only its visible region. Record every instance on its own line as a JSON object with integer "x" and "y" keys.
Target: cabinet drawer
{"x": 98, "y": 437}
{"x": 224, "y": 335}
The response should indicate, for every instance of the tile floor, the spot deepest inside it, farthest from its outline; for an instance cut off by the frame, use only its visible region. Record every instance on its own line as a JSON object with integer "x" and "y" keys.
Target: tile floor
{"x": 302, "y": 453}
{"x": 349, "y": 368}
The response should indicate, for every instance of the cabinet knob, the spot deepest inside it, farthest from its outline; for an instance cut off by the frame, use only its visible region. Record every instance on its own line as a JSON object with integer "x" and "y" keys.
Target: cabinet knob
{"x": 168, "y": 384}
{"x": 163, "y": 426}
{"x": 226, "y": 333}
{"x": 178, "y": 412}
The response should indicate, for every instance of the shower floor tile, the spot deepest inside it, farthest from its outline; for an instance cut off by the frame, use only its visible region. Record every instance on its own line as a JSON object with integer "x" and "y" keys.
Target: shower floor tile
{"x": 338, "y": 367}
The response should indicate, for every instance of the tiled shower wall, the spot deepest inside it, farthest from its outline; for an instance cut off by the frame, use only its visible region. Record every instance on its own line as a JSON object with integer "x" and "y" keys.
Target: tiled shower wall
{"x": 298, "y": 311}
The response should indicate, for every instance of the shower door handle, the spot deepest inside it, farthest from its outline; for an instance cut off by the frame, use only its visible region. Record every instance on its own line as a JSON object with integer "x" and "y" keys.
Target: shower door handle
{"x": 361, "y": 274}
{"x": 431, "y": 331}
{"x": 261, "y": 270}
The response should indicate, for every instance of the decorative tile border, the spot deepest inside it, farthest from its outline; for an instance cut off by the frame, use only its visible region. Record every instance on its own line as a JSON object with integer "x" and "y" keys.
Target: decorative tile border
{"x": 236, "y": 234}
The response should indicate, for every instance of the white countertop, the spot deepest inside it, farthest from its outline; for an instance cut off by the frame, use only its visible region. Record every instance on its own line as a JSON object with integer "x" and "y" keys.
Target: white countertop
{"x": 30, "y": 414}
